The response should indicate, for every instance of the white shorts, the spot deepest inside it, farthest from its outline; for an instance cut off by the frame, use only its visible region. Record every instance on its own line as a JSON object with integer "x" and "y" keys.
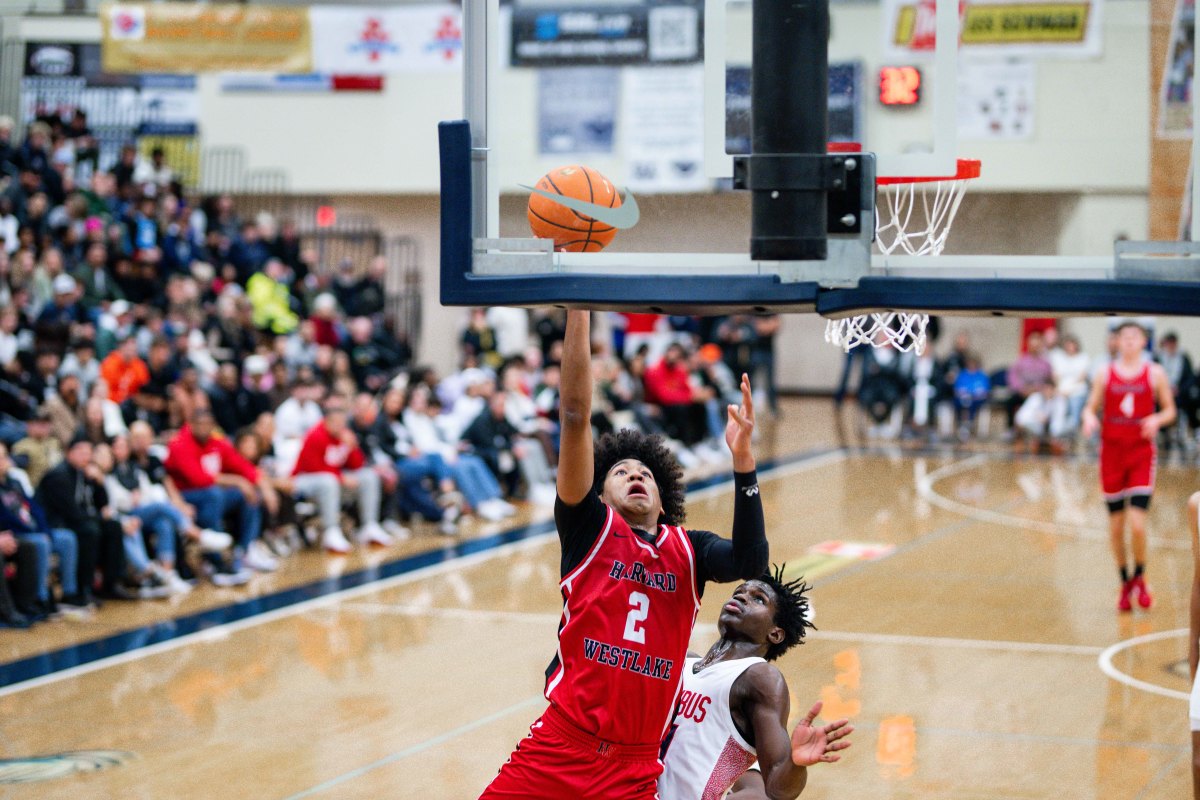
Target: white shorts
{"x": 1194, "y": 704}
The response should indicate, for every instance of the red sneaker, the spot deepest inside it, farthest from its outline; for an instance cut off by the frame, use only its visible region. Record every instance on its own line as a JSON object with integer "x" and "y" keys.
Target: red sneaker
{"x": 1144, "y": 600}
{"x": 1123, "y": 602}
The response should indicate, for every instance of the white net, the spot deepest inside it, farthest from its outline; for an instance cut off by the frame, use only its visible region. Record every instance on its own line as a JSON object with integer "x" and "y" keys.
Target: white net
{"x": 911, "y": 218}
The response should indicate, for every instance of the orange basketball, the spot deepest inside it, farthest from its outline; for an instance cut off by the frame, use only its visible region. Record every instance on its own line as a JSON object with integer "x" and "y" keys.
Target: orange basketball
{"x": 572, "y": 230}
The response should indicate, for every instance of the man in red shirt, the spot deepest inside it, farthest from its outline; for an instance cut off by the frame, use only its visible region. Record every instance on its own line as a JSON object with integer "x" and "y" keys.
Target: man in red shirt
{"x": 330, "y": 463}
{"x": 669, "y": 386}
{"x": 212, "y": 476}
{"x": 1127, "y": 390}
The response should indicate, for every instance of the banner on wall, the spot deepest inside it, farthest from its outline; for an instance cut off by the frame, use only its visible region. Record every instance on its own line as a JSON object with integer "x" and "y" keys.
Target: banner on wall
{"x": 378, "y": 41}
{"x": 665, "y": 149}
{"x": 191, "y": 38}
{"x": 577, "y": 109}
{"x": 997, "y": 28}
{"x": 620, "y": 33}
{"x": 1175, "y": 97}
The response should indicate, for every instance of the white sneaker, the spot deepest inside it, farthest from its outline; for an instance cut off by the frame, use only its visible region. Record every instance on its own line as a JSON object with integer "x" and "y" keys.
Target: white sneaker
{"x": 335, "y": 541}
{"x": 235, "y": 577}
{"x": 259, "y": 558}
{"x": 508, "y": 508}
{"x": 214, "y": 541}
{"x": 543, "y": 494}
{"x": 491, "y": 510}
{"x": 687, "y": 459}
{"x": 395, "y": 530}
{"x": 449, "y": 522}
{"x": 177, "y": 584}
{"x": 372, "y": 533}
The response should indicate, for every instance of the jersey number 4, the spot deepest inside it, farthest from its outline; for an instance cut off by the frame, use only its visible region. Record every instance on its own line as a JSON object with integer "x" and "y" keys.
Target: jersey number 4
{"x": 639, "y": 610}
{"x": 1127, "y": 404}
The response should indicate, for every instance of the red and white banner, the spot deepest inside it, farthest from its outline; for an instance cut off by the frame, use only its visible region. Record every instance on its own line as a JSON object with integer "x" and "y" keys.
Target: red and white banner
{"x": 381, "y": 40}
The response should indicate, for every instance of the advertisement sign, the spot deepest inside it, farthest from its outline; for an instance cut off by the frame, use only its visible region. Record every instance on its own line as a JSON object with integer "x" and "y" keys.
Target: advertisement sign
{"x": 52, "y": 60}
{"x": 996, "y": 99}
{"x": 607, "y": 35}
{"x": 845, "y": 105}
{"x": 665, "y": 149}
{"x": 378, "y": 41}
{"x": 577, "y": 110}
{"x": 997, "y": 28}
{"x": 190, "y": 38}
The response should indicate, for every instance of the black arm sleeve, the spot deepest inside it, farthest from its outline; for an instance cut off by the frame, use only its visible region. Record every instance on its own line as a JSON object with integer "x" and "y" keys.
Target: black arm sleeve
{"x": 747, "y": 555}
{"x": 578, "y": 526}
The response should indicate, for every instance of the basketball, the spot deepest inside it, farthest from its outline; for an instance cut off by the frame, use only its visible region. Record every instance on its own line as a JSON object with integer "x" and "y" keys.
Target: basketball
{"x": 570, "y": 229}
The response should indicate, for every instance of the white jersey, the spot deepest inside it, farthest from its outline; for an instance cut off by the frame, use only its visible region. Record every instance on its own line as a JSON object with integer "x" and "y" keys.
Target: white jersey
{"x": 704, "y": 753}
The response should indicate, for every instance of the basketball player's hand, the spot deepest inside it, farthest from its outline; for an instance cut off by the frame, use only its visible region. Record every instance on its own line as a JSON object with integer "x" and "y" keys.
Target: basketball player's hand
{"x": 1150, "y": 426}
{"x": 1090, "y": 423}
{"x": 739, "y": 430}
{"x": 811, "y": 745}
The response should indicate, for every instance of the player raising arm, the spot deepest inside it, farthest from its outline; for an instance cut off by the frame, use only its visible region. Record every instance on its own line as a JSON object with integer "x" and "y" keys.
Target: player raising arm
{"x": 1127, "y": 389}
{"x": 631, "y": 583}
{"x": 734, "y": 706}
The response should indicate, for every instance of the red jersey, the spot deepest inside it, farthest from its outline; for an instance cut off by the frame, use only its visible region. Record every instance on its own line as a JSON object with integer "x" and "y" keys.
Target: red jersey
{"x": 323, "y": 453}
{"x": 1127, "y": 401}
{"x": 628, "y": 611}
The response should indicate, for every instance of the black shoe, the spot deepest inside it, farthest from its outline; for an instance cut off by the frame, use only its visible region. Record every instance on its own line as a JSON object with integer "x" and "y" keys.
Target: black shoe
{"x": 33, "y": 612}
{"x": 14, "y": 619}
{"x": 118, "y": 592}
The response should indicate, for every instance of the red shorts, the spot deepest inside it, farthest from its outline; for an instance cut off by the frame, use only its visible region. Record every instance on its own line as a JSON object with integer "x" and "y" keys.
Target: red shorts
{"x": 1126, "y": 468}
{"x": 557, "y": 761}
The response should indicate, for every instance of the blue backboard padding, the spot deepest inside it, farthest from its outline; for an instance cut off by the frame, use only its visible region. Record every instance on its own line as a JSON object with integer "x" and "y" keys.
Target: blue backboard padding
{"x": 1013, "y": 296}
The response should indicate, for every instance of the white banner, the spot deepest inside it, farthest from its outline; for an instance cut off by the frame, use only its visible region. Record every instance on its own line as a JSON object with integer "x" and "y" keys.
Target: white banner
{"x": 353, "y": 40}
{"x": 995, "y": 99}
{"x": 662, "y": 113}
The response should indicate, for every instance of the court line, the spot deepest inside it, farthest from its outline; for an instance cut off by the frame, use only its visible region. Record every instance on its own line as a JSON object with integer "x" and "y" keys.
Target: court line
{"x": 420, "y": 747}
{"x": 1163, "y": 772}
{"x": 1108, "y": 668}
{"x": 1070, "y": 530}
{"x": 485, "y": 615}
{"x": 1080, "y": 741}
{"x": 208, "y": 624}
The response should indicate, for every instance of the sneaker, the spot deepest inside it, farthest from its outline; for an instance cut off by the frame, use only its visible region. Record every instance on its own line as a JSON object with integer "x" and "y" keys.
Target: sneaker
{"x": 176, "y": 584}
{"x": 153, "y": 588}
{"x": 395, "y": 530}
{"x": 507, "y": 508}
{"x": 449, "y": 522}
{"x": 335, "y": 541}
{"x": 1123, "y": 602}
{"x": 1144, "y": 600}
{"x": 259, "y": 558}
{"x": 491, "y": 511}
{"x": 373, "y": 534}
{"x": 232, "y": 577}
{"x": 214, "y": 541}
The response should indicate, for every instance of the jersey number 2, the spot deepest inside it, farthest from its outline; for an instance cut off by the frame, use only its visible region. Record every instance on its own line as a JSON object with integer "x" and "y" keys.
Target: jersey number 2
{"x": 634, "y": 631}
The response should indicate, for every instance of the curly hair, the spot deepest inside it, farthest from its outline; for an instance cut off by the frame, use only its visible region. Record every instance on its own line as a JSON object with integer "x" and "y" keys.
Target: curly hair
{"x": 653, "y": 452}
{"x": 791, "y": 610}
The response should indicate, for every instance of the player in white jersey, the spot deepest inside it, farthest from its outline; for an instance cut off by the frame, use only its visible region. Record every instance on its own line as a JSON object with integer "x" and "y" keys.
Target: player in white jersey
{"x": 733, "y": 709}
{"x": 1193, "y": 641}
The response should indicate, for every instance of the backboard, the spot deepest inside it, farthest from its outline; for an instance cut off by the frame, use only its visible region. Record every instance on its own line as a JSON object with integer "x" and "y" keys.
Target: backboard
{"x": 659, "y": 96}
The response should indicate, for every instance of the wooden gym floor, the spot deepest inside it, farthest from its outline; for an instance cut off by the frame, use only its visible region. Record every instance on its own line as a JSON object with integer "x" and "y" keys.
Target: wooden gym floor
{"x": 964, "y": 599}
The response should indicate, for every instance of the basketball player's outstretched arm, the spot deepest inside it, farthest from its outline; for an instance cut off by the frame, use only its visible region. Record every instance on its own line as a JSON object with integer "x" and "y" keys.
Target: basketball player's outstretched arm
{"x": 761, "y": 694}
{"x": 575, "y": 465}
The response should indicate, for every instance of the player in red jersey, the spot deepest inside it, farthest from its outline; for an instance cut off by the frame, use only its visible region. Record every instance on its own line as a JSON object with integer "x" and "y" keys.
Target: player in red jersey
{"x": 1127, "y": 389}
{"x": 631, "y": 585}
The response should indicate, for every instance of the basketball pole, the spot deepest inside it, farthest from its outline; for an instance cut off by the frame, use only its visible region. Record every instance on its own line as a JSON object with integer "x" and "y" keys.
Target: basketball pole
{"x": 789, "y": 116}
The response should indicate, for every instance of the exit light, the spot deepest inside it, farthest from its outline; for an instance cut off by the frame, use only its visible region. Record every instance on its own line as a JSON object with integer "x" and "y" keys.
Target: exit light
{"x": 899, "y": 86}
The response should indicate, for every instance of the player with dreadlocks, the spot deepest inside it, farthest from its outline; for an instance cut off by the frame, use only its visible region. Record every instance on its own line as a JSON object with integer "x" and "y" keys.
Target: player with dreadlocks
{"x": 734, "y": 706}
{"x": 632, "y": 579}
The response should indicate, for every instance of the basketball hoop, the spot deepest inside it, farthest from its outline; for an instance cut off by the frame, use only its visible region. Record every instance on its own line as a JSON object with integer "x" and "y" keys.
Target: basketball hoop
{"x": 913, "y": 216}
